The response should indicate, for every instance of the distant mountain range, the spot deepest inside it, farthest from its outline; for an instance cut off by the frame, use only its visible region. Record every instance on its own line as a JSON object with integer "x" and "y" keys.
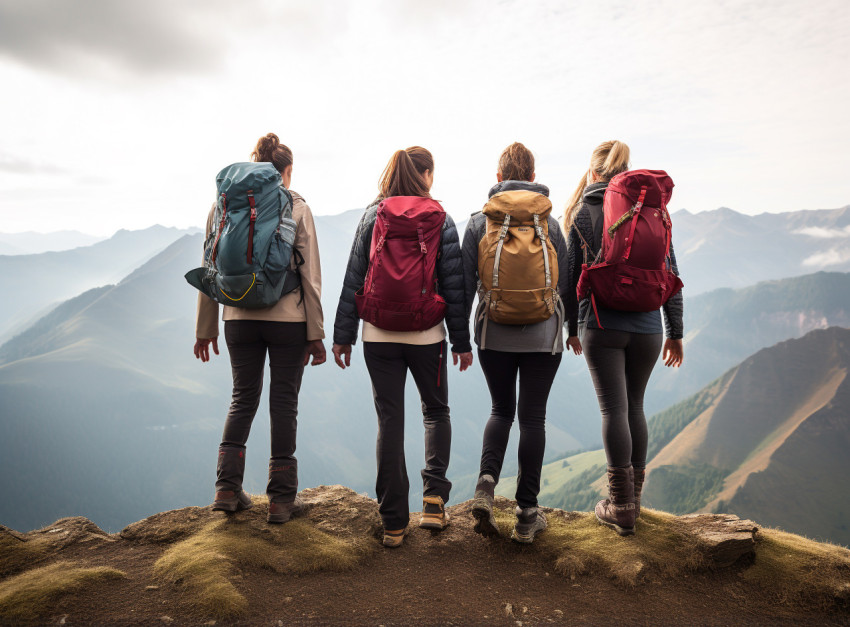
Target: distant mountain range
{"x": 107, "y": 376}
{"x": 724, "y": 248}
{"x": 34, "y": 284}
{"x": 30, "y": 242}
{"x": 768, "y": 439}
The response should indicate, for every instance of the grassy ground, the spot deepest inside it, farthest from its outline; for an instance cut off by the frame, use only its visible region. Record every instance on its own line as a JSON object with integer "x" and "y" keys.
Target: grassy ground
{"x": 31, "y": 594}
{"x": 206, "y": 562}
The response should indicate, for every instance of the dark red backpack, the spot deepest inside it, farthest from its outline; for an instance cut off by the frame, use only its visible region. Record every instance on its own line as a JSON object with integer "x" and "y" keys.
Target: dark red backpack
{"x": 400, "y": 293}
{"x": 632, "y": 271}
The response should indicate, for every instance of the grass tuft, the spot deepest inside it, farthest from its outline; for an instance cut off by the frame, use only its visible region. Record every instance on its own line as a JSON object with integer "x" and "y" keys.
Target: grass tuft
{"x": 205, "y": 562}
{"x": 32, "y": 594}
{"x": 581, "y": 546}
{"x": 16, "y": 554}
{"x": 800, "y": 571}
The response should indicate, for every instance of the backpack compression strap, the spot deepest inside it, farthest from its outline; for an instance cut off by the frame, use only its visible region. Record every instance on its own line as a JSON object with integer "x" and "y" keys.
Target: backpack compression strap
{"x": 542, "y": 237}
{"x": 502, "y": 234}
{"x": 635, "y": 211}
{"x": 251, "y": 227}
{"x": 220, "y": 228}
{"x": 424, "y": 250}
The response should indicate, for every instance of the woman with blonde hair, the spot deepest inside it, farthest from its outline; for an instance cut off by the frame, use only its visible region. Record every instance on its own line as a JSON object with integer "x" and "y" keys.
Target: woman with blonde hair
{"x": 621, "y": 347}
{"x": 404, "y": 278}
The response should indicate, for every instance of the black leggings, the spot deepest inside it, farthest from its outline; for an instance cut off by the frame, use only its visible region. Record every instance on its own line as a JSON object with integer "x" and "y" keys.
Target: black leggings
{"x": 536, "y": 373}
{"x": 248, "y": 341}
{"x": 620, "y": 364}
{"x": 388, "y": 363}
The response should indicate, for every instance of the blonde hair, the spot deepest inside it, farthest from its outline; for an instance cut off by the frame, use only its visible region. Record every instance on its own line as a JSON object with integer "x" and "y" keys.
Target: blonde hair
{"x": 608, "y": 159}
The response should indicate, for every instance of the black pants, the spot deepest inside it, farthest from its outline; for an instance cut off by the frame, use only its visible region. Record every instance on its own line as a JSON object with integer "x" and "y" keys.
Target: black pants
{"x": 248, "y": 341}
{"x": 620, "y": 364}
{"x": 536, "y": 373}
{"x": 388, "y": 363}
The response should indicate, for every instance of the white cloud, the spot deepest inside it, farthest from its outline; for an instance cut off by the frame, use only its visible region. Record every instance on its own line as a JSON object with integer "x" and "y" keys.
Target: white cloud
{"x": 157, "y": 102}
{"x": 824, "y": 233}
{"x": 826, "y": 258}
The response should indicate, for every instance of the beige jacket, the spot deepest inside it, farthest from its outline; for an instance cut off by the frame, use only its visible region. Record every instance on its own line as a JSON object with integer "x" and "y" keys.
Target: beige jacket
{"x": 301, "y": 305}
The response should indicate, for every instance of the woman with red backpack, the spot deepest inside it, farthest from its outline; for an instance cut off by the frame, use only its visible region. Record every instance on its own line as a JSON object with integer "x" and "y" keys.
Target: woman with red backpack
{"x": 404, "y": 277}
{"x": 621, "y": 343}
{"x": 289, "y": 331}
{"x": 515, "y": 261}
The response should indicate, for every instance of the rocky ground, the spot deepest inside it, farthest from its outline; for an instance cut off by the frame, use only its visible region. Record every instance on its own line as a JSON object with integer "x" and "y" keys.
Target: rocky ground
{"x": 198, "y": 567}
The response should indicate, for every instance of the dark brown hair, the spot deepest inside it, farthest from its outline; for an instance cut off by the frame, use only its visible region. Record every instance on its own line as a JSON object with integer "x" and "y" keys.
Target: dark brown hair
{"x": 269, "y": 149}
{"x": 403, "y": 175}
{"x": 516, "y": 163}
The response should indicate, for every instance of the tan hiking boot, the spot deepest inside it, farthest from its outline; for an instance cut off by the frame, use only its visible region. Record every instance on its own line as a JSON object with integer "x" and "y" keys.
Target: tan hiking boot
{"x": 231, "y": 501}
{"x": 394, "y": 539}
{"x": 434, "y": 514}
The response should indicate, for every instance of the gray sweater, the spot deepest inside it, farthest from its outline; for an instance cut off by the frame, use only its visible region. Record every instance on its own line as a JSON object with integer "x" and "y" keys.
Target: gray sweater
{"x": 511, "y": 338}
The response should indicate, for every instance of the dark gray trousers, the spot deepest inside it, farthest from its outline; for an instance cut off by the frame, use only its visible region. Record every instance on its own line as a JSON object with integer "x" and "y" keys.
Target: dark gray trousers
{"x": 620, "y": 364}
{"x": 388, "y": 363}
{"x": 248, "y": 341}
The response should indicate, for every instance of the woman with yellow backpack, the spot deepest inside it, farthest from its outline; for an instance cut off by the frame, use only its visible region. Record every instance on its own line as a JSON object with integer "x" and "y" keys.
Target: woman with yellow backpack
{"x": 515, "y": 261}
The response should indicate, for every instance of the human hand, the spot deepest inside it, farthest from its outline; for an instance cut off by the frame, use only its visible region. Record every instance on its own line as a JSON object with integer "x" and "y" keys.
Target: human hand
{"x": 202, "y": 348}
{"x": 673, "y": 353}
{"x": 574, "y": 344}
{"x": 317, "y": 349}
{"x": 340, "y": 351}
{"x": 464, "y": 358}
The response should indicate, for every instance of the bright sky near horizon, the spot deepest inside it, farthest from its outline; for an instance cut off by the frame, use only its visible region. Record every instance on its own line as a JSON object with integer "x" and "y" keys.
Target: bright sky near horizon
{"x": 118, "y": 114}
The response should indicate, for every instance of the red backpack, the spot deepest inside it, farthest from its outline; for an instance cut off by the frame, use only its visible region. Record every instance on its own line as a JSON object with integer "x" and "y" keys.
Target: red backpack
{"x": 632, "y": 270}
{"x": 400, "y": 293}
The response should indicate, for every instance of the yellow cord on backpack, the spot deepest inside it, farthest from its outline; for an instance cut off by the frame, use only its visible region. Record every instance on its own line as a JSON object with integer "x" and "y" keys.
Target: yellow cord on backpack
{"x": 253, "y": 280}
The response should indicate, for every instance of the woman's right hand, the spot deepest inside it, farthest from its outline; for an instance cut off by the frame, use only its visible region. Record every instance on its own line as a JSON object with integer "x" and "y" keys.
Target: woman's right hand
{"x": 340, "y": 351}
{"x": 574, "y": 344}
{"x": 673, "y": 354}
{"x": 202, "y": 348}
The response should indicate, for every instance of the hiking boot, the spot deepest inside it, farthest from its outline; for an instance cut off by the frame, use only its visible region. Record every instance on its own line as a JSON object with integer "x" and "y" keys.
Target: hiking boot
{"x": 482, "y": 506}
{"x": 529, "y": 522}
{"x": 638, "y": 479}
{"x": 618, "y": 510}
{"x": 394, "y": 539}
{"x": 230, "y": 469}
{"x": 283, "y": 479}
{"x": 434, "y": 514}
{"x": 282, "y": 512}
{"x": 231, "y": 501}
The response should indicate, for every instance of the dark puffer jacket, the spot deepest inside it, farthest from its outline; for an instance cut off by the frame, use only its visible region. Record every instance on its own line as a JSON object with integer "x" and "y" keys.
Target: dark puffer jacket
{"x": 579, "y": 313}
{"x": 449, "y": 283}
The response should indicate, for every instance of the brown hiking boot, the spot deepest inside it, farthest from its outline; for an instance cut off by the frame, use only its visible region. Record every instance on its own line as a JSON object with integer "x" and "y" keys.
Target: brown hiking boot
{"x": 482, "y": 506}
{"x": 639, "y": 477}
{"x": 434, "y": 514}
{"x": 282, "y": 512}
{"x": 231, "y": 501}
{"x": 618, "y": 510}
{"x": 394, "y": 539}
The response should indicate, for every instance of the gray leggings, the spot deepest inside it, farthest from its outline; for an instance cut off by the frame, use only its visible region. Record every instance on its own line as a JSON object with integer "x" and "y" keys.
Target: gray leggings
{"x": 620, "y": 364}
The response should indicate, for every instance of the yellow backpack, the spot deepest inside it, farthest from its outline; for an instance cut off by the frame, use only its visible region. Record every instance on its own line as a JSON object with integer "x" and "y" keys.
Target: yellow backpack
{"x": 517, "y": 264}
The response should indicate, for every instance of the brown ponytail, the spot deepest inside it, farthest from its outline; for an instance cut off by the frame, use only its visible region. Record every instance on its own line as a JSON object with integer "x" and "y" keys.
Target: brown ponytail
{"x": 403, "y": 175}
{"x": 608, "y": 160}
{"x": 516, "y": 163}
{"x": 270, "y": 150}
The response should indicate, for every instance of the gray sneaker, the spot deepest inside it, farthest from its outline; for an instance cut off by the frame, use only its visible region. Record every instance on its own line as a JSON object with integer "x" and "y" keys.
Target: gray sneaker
{"x": 529, "y": 522}
{"x": 482, "y": 506}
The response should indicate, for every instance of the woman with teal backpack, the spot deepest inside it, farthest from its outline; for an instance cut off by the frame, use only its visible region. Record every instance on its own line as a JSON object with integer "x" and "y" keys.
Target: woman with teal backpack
{"x": 290, "y": 332}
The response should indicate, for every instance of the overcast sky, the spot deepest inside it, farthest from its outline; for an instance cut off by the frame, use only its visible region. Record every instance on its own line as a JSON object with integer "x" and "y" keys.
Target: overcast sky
{"x": 118, "y": 114}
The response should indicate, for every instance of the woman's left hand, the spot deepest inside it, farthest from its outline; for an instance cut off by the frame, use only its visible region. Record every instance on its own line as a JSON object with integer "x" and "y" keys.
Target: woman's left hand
{"x": 673, "y": 354}
{"x": 465, "y": 360}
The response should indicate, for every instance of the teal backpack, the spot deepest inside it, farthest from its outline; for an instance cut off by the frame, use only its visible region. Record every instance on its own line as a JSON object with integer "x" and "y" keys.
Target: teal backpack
{"x": 247, "y": 254}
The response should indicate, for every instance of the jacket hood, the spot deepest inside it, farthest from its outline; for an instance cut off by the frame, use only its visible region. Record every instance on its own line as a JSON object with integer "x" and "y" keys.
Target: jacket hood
{"x": 595, "y": 191}
{"x": 510, "y": 186}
